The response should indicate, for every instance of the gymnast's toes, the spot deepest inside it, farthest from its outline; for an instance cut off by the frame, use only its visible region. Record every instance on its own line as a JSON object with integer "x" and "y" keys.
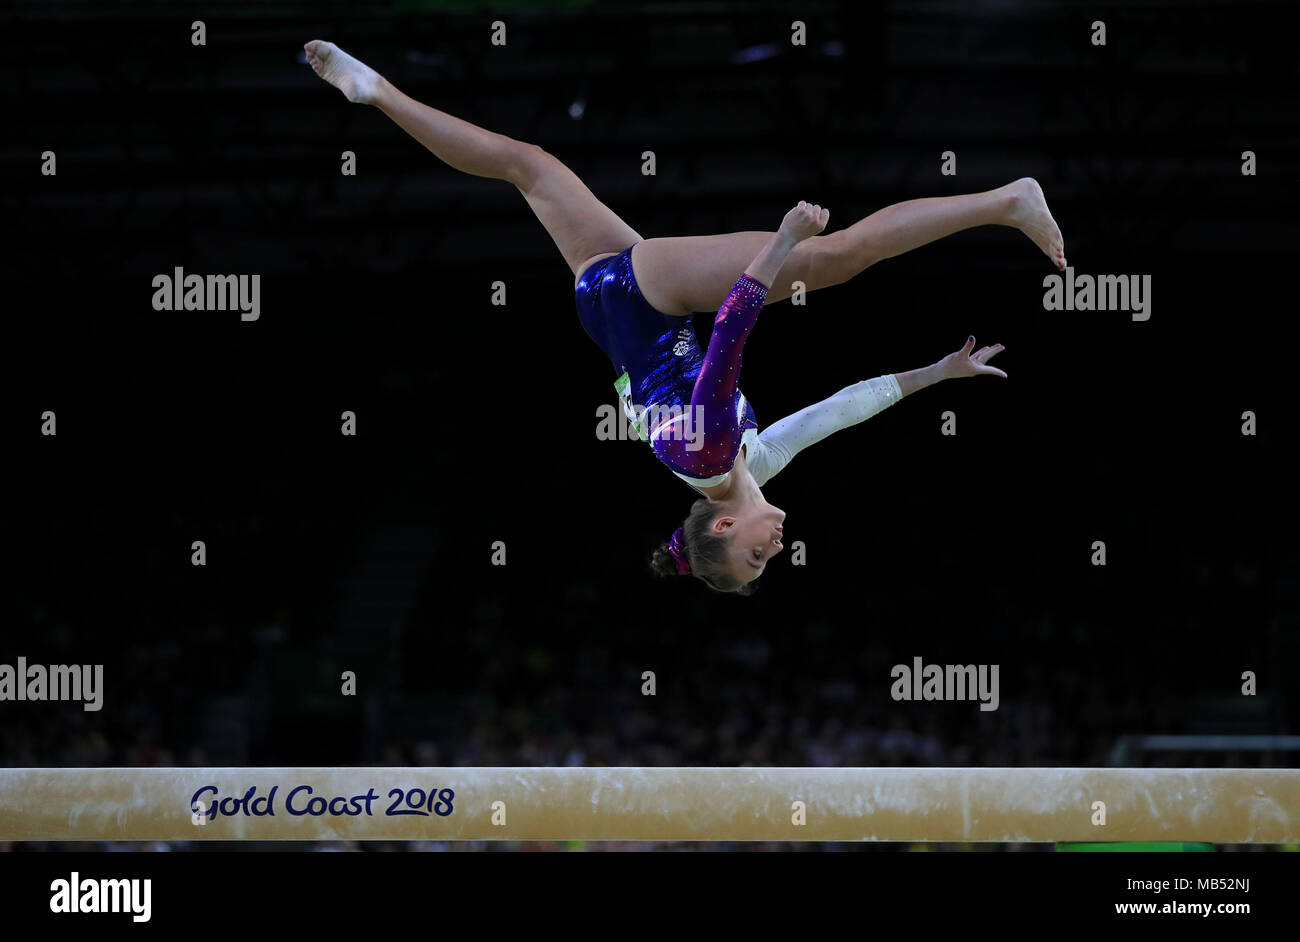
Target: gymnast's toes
{"x": 356, "y": 80}
{"x": 1029, "y": 214}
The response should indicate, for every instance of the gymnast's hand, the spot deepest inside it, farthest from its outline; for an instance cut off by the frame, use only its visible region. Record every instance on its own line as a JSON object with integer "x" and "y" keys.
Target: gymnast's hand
{"x": 806, "y": 219}
{"x": 965, "y": 363}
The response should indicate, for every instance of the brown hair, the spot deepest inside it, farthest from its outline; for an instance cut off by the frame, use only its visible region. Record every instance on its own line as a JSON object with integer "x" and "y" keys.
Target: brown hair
{"x": 705, "y": 550}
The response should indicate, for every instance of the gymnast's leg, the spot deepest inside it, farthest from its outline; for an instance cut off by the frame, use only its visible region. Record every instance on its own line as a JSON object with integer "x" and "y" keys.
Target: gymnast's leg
{"x": 694, "y": 273}
{"x": 580, "y": 225}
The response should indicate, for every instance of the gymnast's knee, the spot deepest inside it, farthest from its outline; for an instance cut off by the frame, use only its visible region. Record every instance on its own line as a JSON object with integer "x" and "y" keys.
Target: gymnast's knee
{"x": 833, "y": 260}
{"x": 526, "y": 163}
{"x": 854, "y": 258}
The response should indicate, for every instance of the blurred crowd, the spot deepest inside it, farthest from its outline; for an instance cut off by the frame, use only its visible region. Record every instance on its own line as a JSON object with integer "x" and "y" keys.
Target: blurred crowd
{"x": 1056, "y": 719}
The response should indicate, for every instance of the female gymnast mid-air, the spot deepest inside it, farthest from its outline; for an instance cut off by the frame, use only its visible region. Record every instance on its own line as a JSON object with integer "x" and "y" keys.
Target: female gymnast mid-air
{"x": 635, "y": 297}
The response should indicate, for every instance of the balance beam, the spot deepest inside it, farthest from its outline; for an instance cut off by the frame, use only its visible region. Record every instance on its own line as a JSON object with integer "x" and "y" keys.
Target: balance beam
{"x": 651, "y": 804}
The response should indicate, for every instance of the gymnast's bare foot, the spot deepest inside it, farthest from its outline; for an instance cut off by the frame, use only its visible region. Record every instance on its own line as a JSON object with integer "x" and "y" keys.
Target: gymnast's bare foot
{"x": 353, "y": 78}
{"x": 1030, "y": 215}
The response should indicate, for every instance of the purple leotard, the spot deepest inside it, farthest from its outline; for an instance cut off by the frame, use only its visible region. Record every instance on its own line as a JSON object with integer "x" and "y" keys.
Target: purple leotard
{"x": 694, "y": 409}
{"x": 717, "y": 406}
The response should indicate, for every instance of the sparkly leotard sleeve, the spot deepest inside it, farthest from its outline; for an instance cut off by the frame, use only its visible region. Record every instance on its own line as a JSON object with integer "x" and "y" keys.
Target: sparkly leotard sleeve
{"x": 703, "y": 442}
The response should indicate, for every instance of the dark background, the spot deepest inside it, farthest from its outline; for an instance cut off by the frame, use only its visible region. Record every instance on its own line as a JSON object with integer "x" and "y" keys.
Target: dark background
{"x": 477, "y": 423}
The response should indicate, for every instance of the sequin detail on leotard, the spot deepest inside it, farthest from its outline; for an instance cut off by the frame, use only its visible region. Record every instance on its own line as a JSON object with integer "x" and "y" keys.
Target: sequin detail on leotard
{"x": 664, "y": 362}
{"x": 704, "y": 440}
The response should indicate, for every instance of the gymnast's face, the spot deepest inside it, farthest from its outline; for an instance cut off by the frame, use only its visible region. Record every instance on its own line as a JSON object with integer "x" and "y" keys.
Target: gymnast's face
{"x": 754, "y": 536}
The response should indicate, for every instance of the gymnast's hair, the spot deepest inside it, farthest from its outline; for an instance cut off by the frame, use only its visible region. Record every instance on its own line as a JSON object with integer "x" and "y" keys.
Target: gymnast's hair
{"x": 704, "y": 549}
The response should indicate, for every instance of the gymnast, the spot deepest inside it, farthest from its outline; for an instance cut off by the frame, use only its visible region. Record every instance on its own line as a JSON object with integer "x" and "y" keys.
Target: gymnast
{"x": 635, "y": 297}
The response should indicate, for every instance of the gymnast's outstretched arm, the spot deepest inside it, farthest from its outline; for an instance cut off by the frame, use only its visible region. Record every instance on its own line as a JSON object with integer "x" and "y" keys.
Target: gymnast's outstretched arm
{"x": 782, "y": 440}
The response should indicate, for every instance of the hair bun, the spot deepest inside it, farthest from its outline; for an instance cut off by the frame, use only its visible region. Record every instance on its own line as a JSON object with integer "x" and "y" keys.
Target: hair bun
{"x": 662, "y": 561}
